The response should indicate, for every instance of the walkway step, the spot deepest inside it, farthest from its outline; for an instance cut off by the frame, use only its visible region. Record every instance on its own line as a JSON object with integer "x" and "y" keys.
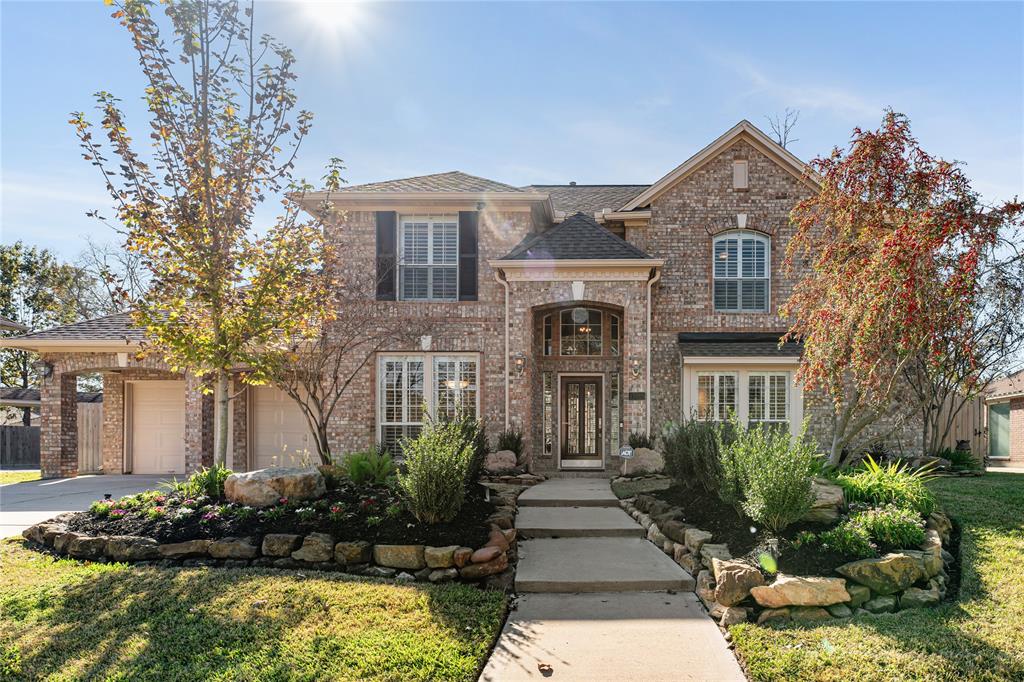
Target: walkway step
{"x": 576, "y": 522}
{"x": 597, "y": 564}
{"x": 569, "y": 492}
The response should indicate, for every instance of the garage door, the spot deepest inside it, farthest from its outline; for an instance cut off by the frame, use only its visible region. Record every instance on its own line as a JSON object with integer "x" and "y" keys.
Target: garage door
{"x": 280, "y": 435}
{"x": 158, "y": 427}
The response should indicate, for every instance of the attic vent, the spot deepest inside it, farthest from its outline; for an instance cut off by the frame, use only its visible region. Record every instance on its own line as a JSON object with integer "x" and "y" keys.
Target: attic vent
{"x": 572, "y": 183}
{"x": 739, "y": 174}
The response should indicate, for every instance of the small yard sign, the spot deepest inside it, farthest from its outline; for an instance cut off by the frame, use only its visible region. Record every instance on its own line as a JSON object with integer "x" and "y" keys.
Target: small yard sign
{"x": 626, "y": 452}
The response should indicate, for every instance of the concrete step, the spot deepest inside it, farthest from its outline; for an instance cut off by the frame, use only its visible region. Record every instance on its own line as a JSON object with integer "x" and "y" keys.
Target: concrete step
{"x": 576, "y": 522}
{"x": 597, "y": 564}
{"x": 569, "y": 492}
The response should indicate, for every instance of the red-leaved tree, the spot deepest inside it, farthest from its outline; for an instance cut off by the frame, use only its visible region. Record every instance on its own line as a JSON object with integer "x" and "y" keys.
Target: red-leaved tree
{"x": 895, "y": 246}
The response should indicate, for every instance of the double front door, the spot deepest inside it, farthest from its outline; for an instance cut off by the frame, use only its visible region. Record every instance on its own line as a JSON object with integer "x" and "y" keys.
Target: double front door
{"x": 581, "y": 410}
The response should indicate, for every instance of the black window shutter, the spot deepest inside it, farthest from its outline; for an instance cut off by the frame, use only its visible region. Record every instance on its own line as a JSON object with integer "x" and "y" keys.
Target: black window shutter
{"x": 387, "y": 255}
{"x": 469, "y": 231}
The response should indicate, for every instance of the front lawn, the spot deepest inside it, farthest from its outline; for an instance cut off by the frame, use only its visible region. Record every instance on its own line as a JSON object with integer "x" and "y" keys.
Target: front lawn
{"x": 71, "y": 620}
{"x": 18, "y": 476}
{"x": 976, "y": 638}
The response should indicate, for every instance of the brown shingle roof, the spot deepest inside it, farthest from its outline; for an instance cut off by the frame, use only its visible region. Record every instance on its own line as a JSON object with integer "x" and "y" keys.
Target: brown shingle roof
{"x": 736, "y": 344}
{"x": 116, "y": 327}
{"x": 1007, "y": 386}
{"x": 453, "y": 181}
{"x": 32, "y": 395}
{"x": 588, "y": 199}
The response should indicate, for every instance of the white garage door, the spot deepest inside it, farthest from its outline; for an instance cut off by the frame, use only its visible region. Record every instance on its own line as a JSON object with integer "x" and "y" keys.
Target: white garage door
{"x": 280, "y": 434}
{"x": 158, "y": 427}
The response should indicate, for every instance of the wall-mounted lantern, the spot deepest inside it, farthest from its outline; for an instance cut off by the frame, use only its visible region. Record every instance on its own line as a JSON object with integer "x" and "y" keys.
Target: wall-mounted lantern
{"x": 635, "y": 365}
{"x": 44, "y": 368}
{"x": 519, "y": 363}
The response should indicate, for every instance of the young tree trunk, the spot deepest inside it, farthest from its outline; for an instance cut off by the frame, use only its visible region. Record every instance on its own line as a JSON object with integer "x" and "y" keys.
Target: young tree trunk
{"x": 221, "y": 399}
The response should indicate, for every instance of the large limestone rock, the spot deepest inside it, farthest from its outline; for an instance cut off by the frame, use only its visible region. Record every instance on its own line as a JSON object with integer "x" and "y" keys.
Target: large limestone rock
{"x": 85, "y": 547}
{"x": 790, "y": 590}
{"x": 828, "y": 502}
{"x": 940, "y": 523}
{"x": 440, "y": 557}
{"x": 695, "y": 539}
{"x": 316, "y": 547}
{"x": 886, "y": 575}
{"x": 400, "y": 556}
{"x": 859, "y": 594}
{"x": 185, "y": 550}
{"x": 132, "y": 548}
{"x": 709, "y": 552}
{"x": 502, "y": 460}
{"x": 733, "y": 580}
{"x": 234, "y": 548}
{"x": 646, "y": 460}
{"x": 916, "y": 598}
{"x": 482, "y": 570}
{"x": 280, "y": 544}
{"x": 353, "y": 553}
{"x": 264, "y": 487}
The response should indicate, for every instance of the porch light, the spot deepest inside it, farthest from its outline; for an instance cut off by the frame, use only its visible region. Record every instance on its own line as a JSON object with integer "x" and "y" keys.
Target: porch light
{"x": 519, "y": 362}
{"x": 635, "y": 366}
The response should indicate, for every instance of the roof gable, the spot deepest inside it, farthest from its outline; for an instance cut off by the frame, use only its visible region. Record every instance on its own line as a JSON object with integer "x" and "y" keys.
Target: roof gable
{"x": 452, "y": 181}
{"x": 742, "y": 130}
{"x": 578, "y": 237}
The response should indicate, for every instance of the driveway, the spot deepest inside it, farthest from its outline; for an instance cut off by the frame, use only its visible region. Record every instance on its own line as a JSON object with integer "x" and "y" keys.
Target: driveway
{"x": 25, "y": 504}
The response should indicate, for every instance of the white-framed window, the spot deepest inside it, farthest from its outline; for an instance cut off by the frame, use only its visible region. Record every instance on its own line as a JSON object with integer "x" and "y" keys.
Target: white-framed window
{"x": 428, "y": 258}
{"x": 767, "y": 398}
{"x": 716, "y": 395}
{"x": 741, "y": 272}
{"x": 411, "y": 386}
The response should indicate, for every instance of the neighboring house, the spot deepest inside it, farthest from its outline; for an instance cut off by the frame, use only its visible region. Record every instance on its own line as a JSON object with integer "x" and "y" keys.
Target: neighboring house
{"x": 575, "y": 313}
{"x": 8, "y": 324}
{"x": 20, "y": 445}
{"x": 1004, "y": 400}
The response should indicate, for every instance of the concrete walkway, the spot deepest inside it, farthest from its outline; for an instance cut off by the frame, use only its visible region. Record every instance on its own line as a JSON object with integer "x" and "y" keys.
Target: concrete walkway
{"x": 597, "y": 601}
{"x": 25, "y": 504}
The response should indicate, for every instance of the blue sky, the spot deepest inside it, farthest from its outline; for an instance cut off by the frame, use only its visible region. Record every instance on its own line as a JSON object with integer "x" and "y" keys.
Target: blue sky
{"x": 542, "y": 93}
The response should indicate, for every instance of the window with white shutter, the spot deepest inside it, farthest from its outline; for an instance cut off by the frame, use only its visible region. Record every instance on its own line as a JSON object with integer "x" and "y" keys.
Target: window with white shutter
{"x": 428, "y": 258}
{"x": 741, "y": 272}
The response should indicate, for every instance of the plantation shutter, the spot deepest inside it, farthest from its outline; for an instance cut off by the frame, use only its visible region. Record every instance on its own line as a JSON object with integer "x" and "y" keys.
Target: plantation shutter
{"x": 468, "y": 254}
{"x": 387, "y": 254}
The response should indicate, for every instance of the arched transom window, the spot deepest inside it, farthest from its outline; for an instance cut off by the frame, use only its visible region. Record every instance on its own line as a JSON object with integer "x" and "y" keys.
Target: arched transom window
{"x": 582, "y": 331}
{"x": 741, "y": 272}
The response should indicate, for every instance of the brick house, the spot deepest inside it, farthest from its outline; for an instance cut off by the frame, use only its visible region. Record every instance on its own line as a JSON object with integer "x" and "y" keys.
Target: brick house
{"x": 575, "y": 313}
{"x": 1004, "y": 418}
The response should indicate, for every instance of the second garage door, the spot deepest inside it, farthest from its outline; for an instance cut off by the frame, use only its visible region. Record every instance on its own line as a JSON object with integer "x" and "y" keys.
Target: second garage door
{"x": 280, "y": 434}
{"x": 158, "y": 427}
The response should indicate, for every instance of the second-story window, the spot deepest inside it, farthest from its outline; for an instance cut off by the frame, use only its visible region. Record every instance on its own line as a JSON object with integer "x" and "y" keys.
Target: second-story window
{"x": 428, "y": 258}
{"x": 741, "y": 272}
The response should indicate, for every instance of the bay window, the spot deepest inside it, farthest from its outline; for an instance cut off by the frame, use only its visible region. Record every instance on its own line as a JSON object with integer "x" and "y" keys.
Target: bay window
{"x": 755, "y": 395}
{"x": 410, "y": 387}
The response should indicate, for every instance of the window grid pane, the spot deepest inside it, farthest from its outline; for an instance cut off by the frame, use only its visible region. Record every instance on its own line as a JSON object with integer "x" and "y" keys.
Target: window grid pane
{"x": 726, "y": 395}
{"x": 755, "y": 398}
{"x": 403, "y": 394}
{"x": 740, "y": 274}
{"x": 583, "y": 338}
{"x": 428, "y": 268}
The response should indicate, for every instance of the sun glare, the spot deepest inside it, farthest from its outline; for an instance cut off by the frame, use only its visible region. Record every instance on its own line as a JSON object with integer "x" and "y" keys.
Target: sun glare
{"x": 337, "y": 17}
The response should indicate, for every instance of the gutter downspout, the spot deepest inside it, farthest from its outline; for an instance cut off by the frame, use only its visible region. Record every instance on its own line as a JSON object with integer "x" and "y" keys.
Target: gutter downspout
{"x": 651, "y": 281}
{"x": 499, "y": 276}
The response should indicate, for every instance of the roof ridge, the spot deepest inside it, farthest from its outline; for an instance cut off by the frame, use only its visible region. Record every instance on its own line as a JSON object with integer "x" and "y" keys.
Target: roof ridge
{"x": 577, "y": 220}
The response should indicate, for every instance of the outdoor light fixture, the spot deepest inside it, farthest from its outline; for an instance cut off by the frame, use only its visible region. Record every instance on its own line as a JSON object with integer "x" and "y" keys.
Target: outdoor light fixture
{"x": 634, "y": 365}
{"x": 44, "y": 368}
{"x": 519, "y": 362}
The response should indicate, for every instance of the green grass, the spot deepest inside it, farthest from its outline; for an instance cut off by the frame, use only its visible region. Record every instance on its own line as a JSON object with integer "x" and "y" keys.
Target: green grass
{"x": 65, "y": 620}
{"x": 19, "y": 476}
{"x": 976, "y": 638}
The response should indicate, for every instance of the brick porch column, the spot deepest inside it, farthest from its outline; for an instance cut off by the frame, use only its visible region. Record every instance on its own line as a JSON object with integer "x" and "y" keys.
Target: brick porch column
{"x": 113, "y": 423}
{"x": 240, "y": 427}
{"x": 194, "y": 431}
{"x": 634, "y": 347}
{"x": 58, "y": 437}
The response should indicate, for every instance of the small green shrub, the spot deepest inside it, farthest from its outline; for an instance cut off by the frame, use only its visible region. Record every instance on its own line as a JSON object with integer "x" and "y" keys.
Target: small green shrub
{"x": 206, "y": 481}
{"x": 691, "y": 453}
{"x": 437, "y": 464}
{"x": 640, "y": 439}
{"x": 101, "y": 508}
{"x": 511, "y": 439}
{"x": 891, "y": 527}
{"x": 849, "y": 539}
{"x": 471, "y": 430}
{"x": 369, "y": 467}
{"x": 959, "y": 459}
{"x": 333, "y": 475}
{"x": 893, "y": 483}
{"x": 767, "y": 474}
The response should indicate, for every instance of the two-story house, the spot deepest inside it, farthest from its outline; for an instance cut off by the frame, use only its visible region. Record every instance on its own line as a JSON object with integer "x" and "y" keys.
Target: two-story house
{"x": 575, "y": 313}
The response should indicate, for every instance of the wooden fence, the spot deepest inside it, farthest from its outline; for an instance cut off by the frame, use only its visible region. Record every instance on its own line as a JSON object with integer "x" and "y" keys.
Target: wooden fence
{"x": 969, "y": 425}
{"x": 19, "y": 445}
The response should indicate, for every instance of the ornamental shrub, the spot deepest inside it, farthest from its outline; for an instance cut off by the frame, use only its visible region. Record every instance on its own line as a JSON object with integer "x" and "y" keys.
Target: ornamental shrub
{"x": 891, "y": 527}
{"x": 437, "y": 464}
{"x": 370, "y": 467}
{"x": 894, "y": 483}
{"x": 511, "y": 439}
{"x": 640, "y": 439}
{"x": 206, "y": 481}
{"x": 767, "y": 474}
{"x": 849, "y": 539}
{"x": 691, "y": 454}
{"x": 959, "y": 459}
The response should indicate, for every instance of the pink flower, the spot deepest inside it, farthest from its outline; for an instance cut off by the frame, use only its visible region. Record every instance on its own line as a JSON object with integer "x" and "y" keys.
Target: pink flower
{"x": 336, "y": 508}
{"x": 283, "y": 500}
{"x": 118, "y": 512}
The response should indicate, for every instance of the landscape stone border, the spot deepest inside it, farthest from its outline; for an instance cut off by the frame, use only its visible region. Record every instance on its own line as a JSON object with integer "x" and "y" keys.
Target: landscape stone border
{"x": 735, "y": 591}
{"x": 492, "y": 565}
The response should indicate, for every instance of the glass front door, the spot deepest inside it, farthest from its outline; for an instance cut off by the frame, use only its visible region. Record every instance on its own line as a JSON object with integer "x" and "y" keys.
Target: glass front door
{"x": 581, "y": 409}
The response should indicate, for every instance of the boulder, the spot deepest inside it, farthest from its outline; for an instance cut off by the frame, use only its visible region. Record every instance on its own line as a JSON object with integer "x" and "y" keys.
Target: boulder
{"x": 859, "y": 594}
{"x": 940, "y": 523}
{"x": 695, "y": 539}
{"x": 476, "y": 571}
{"x": 316, "y": 547}
{"x": 461, "y": 556}
{"x": 705, "y": 586}
{"x": 234, "y": 548}
{"x": 497, "y": 538}
{"x": 674, "y": 530}
{"x": 733, "y": 615}
{"x": 485, "y": 554}
{"x": 440, "y": 557}
{"x": 645, "y": 520}
{"x": 828, "y": 502}
{"x": 885, "y": 575}
{"x": 264, "y": 487}
{"x": 644, "y": 459}
{"x": 708, "y": 552}
{"x": 690, "y": 562}
{"x": 680, "y": 551}
{"x": 379, "y": 572}
{"x": 399, "y": 556}
{"x": 280, "y": 544}
{"x": 656, "y": 536}
{"x": 185, "y": 550}
{"x": 352, "y": 553}
{"x": 839, "y": 610}
{"x": 773, "y": 614}
{"x": 502, "y": 460}
{"x": 404, "y": 577}
{"x": 883, "y": 603}
{"x": 733, "y": 580}
{"x": 799, "y": 591}
{"x": 87, "y": 547}
{"x": 62, "y": 540}
{"x": 669, "y": 547}
{"x": 809, "y": 614}
{"x": 443, "y": 575}
{"x": 423, "y": 574}
{"x": 43, "y": 533}
{"x": 917, "y": 598}
{"x": 132, "y": 548}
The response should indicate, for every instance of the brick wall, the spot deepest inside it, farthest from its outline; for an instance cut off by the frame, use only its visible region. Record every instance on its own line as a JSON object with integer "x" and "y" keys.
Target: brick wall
{"x": 1017, "y": 432}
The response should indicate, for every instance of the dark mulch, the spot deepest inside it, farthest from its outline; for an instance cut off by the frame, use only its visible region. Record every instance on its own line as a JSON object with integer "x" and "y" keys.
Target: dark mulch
{"x": 364, "y": 517}
{"x": 707, "y": 512}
